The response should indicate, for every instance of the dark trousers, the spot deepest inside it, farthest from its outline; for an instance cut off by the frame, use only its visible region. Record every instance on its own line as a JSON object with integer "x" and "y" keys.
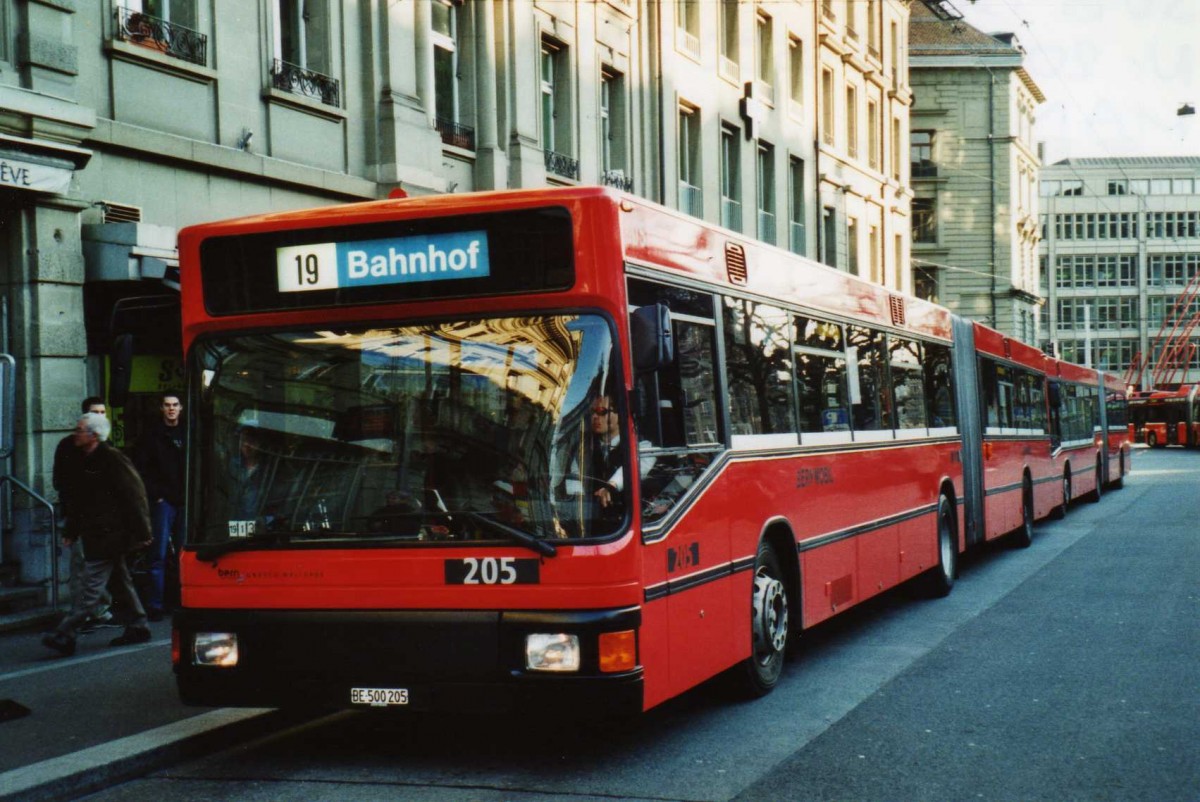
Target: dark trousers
{"x": 95, "y": 578}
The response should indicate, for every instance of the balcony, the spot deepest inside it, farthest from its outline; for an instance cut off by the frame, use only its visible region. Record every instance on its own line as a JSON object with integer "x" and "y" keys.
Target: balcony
{"x": 159, "y": 34}
{"x": 924, "y": 169}
{"x": 296, "y": 80}
{"x": 731, "y": 213}
{"x": 687, "y": 43}
{"x": 691, "y": 199}
{"x": 617, "y": 179}
{"x": 455, "y": 134}
{"x": 562, "y": 165}
{"x": 766, "y": 226}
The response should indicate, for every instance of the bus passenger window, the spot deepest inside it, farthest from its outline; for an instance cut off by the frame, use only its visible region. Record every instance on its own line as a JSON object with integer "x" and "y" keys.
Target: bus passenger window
{"x": 759, "y": 367}
{"x": 821, "y": 379}
{"x": 908, "y": 388}
{"x": 939, "y": 386}
{"x": 872, "y": 410}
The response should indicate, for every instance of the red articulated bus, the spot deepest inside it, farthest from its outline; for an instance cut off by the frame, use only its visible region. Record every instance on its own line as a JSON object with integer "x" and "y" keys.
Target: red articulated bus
{"x": 1166, "y": 417}
{"x": 493, "y": 450}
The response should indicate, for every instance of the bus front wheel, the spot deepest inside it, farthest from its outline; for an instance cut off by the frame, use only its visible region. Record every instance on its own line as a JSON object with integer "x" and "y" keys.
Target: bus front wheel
{"x": 1024, "y": 536}
{"x": 1151, "y": 439}
{"x": 769, "y": 622}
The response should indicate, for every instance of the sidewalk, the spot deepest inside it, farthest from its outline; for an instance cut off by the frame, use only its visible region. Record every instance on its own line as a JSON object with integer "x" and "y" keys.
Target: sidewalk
{"x": 100, "y": 716}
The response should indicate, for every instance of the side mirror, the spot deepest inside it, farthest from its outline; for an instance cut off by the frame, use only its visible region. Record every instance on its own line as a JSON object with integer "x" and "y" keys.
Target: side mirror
{"x": 651, "y": 338}
{"x": 120, "y": 366}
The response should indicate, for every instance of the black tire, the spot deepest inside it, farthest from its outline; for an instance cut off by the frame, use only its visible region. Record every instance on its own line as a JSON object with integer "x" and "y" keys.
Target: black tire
{"x": 1060, "y": 511}
{"x": 939, "y": 580}
{"x": 1023, "y": 537}
{"x": 770, "y": 621}
{"x": 1151, "y": 439}
{"x": 1119, "y": 482}
{"x": 1095, "y": 495}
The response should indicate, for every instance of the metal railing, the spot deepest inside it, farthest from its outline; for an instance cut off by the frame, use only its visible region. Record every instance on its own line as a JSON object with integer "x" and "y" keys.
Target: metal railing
{"x": 924, "y": 169}
{"x": 617, "y": 179}
{"x": 456, "y": 134}
{"x": 296, "y": 80}
{"x": 562, "y": 164}
{"x": 766, "y": 226}
{"x": 731, "y": 213}
{"x": 53, "y": 544}
{"x": 691, "y": 199}
{"x": 166, "y": 37}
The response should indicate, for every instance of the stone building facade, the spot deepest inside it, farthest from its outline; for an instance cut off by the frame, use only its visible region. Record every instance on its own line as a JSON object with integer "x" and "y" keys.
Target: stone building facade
{"x": 974, "y": 171}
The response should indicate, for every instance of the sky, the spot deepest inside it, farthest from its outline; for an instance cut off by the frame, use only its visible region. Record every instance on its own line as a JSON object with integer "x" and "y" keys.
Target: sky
{"x": 1114, "y": 72}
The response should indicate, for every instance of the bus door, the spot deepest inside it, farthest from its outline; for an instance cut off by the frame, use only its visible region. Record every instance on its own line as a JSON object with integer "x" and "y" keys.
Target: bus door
{"x": 971, "y": 426}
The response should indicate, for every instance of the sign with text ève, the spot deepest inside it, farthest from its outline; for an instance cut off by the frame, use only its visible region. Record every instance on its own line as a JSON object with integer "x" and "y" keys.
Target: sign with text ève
{"x": 399, "y": 260}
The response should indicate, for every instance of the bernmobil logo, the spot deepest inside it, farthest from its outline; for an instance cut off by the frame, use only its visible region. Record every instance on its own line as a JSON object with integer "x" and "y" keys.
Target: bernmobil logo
{"x": 428, "y": 258}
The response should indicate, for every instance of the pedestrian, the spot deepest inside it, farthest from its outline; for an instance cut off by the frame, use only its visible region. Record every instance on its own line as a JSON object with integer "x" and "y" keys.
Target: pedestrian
{"x": 68, "y": 467}
{"x": 107, "y": 511}
{"x": 160, "y": 461}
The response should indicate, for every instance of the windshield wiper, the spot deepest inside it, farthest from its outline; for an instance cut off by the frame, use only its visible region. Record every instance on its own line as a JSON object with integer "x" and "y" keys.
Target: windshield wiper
{"x": 209, "y": 552}
{"x": 524, "y": 538}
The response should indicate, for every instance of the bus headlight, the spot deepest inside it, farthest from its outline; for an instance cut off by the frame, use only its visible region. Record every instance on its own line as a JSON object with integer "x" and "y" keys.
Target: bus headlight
{"x": 215, "y": 649}
{"x": 551, "y": 652}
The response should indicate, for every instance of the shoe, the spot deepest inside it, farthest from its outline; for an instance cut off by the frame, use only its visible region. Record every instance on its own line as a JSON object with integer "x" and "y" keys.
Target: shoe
{"x": 63, "y": 644}
{"x": 96, "y": 622}
{"x": 130, "y": 636}
{"x": 155, "y": 614}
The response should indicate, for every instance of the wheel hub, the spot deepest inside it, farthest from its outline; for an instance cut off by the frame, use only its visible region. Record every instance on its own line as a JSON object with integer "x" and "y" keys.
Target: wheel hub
{"x": 770, "y": 614}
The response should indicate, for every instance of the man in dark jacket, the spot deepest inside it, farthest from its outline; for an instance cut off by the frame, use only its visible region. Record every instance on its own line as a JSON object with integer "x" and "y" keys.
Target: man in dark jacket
{"x": 160, "y": 460}
{"x": 107, "y": 510}
{"x": 68, "y": 467}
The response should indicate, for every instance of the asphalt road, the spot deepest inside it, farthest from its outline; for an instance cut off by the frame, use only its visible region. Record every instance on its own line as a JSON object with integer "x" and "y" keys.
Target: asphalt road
{"x": 1069, "y": 670}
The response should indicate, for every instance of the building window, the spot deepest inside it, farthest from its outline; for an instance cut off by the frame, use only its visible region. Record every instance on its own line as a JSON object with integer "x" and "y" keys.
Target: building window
{"x": 447, "y": 103}
{"x": 765, "y": 178}
{"x": 874, "y": 146}
{"x": 690, "y": 198}
{"x": 730, "y": 39}
{"x": 796, "y": 71}
{"x": 873, "y": 254}
{"x": 827, "y": 129}
{"x": 731, "y": 180}
{"x": 1118, "y": 186}
{"x": 796, "y": 208}
{"x": 167, "y": 26}
{"x": 924, "y": 220}
{"x": 613, "y": 130}
{"x": 852, "y": 246}
{"x": 556, "y": 110}
{"x": 765, "y": 61}
{"x": 920, "y": 147}
{"x": 896, "y": 160}
{"x": 873, "y": 25}
{"x": 829, "y": 236}
{"x": 852, "y": 122}
{"x": 303, "y": 50}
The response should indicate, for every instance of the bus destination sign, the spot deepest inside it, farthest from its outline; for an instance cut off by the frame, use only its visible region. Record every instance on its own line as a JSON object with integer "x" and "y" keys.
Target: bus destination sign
{"x": 399, "y": 260}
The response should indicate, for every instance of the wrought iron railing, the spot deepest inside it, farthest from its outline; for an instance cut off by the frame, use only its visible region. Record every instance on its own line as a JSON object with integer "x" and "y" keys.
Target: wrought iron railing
{"x": 562, "y": 164}
{"x": 158, "y": 34}
{"x": 617, "y": 179}
{"x": 924, "y": 169}
{"x": 456, "y": 134}
{"x": 307, "y": 83}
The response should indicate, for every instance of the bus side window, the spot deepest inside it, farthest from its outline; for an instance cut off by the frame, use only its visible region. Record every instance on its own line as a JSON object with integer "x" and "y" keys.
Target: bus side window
{"x": 822, "y": 394}
{"x": 908, "y": 388}
{"x": 759, "y": 366}
{"x": 872, "y": 408}
{"x": 939, "y": 386}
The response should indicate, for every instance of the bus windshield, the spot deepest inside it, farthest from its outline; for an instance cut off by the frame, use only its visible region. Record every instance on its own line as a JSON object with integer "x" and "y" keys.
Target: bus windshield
{"x": 472, "y": 430}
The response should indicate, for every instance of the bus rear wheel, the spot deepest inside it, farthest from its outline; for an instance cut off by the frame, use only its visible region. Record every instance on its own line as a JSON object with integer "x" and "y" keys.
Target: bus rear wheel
{"x": 939, "y": 580}
{"x": 1151, "y": 439}
{"x": 769, "y": 624}
{"x": 1024, "y": 535}
{"x": 1099, "y": 491}
{"x": 1060, "y": 511}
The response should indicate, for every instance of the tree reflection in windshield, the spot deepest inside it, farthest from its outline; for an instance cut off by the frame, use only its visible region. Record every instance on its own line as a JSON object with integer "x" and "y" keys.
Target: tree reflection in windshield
{"x": 417, "y": 433}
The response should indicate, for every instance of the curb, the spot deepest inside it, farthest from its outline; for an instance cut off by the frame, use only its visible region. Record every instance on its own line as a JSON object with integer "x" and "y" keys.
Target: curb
{"x": 92, "y": 769}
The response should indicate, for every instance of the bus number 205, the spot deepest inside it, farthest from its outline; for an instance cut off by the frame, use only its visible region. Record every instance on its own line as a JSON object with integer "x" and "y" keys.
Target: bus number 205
{"x": 491, "y": 571}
